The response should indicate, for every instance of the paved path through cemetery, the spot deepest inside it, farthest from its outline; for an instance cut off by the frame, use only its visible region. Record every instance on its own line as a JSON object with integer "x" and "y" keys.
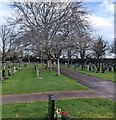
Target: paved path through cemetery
{"x": 103, "y": 87}
{"x": 6, "y": 99}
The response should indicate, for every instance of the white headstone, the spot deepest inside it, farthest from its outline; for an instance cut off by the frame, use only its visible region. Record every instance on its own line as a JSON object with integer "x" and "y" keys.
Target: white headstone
{"x": 14, "y": 69}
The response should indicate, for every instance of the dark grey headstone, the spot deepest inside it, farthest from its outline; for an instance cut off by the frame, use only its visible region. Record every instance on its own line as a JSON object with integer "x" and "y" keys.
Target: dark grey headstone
{"x": 3, "y": 73}
{"x": 51, "y": 107}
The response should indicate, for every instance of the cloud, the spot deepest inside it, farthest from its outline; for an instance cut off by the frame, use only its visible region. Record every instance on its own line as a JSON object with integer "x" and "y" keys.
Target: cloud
{"x": 107, "y": 7}
{"x": 104, "y": 27}
{"x": 102, "y": 20}
{"x": 99, "y": 22}
{"x": 5, "y": 11}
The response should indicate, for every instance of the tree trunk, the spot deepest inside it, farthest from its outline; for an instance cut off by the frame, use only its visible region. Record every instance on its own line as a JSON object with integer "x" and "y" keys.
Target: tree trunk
{"x": 3, "y": 56}
{"x": 58, "y": 66}
{"x": 69, "y": 58}
{"x": 82, "y": 59}
{"x": 3, "y": 59}
{"x": 99, "y": 63}
{"x": 49, "y": 63}
{"x": 82, "y": 63}
{"x": 69, "y": 62}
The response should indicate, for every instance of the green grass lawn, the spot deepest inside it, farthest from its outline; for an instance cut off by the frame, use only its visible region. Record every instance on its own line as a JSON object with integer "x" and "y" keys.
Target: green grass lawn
{"x": 0, "y": 100}
{"x": 105, "y": 76}
{"x": 25, "y": 81}
{"x": 76, "y": 108}
{"x": 0, "y": 88}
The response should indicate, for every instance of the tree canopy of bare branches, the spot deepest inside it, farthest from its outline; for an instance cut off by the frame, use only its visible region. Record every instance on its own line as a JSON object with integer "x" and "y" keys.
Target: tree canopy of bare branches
{"x": 48, "y": 25}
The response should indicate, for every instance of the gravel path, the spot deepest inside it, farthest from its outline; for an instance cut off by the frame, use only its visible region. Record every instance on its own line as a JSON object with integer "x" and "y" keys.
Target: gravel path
{"x": 6, "y": 99}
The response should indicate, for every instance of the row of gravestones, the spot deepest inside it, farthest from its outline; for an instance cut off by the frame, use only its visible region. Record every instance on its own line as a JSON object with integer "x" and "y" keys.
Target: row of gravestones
{"x": 95, "y": 68}
{"x": 8, "y": 68}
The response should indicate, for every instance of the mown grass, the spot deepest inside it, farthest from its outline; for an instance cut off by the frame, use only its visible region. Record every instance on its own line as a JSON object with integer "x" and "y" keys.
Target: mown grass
{"x": 0, "y": 100}
{"x": 76, "y": 108}
{"x": 26, "y": 81}
{"x": 105, "y": 76}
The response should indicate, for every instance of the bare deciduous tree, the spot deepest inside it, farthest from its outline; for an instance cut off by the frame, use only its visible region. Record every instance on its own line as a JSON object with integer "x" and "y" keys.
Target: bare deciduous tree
{"x": 7, "y": 36}
{"x": 83, "y": 45}
{"x": 51, "y": 23}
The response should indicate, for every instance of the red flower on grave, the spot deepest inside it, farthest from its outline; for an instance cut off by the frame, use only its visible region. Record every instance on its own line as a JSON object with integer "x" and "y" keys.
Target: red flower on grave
{"x": 63, "y": 113}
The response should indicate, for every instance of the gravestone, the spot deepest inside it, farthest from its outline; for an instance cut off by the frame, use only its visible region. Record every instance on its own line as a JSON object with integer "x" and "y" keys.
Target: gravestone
{"x": 9, "y": 72}
{"x": 9, "y": 66}
{"x": 14, "y": 69}
{"x": 54, "y": 63}
{"x": 19, "y": 67}
{"x": 51, "y": 107}
{"x": 38, "y": 72}
{"x": 106, "y": 66}
{"x": 85, "y": 67}
{"x": 93, "y": 68}
{"x": 78, "y": 66}
{"x": 75, "y": 66}
{"x": 98, "y": 70}
{"x": 89, "y": 67}
{"x": 110, "y": 68}
{"x": 25, "y": 64}
{"x": 3, "y": 73}
{"x": 65, "y": 64}
{"x": 35, "y": 67}
{"x": 103, "y": 70}
{"x": 39, "y": 75}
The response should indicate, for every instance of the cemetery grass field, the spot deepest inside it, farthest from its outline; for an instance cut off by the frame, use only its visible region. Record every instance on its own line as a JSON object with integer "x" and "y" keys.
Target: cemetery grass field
{"x": 105, "y": 76}
{"x": 25, "y": 81}
{"x": 76, "y": 108}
